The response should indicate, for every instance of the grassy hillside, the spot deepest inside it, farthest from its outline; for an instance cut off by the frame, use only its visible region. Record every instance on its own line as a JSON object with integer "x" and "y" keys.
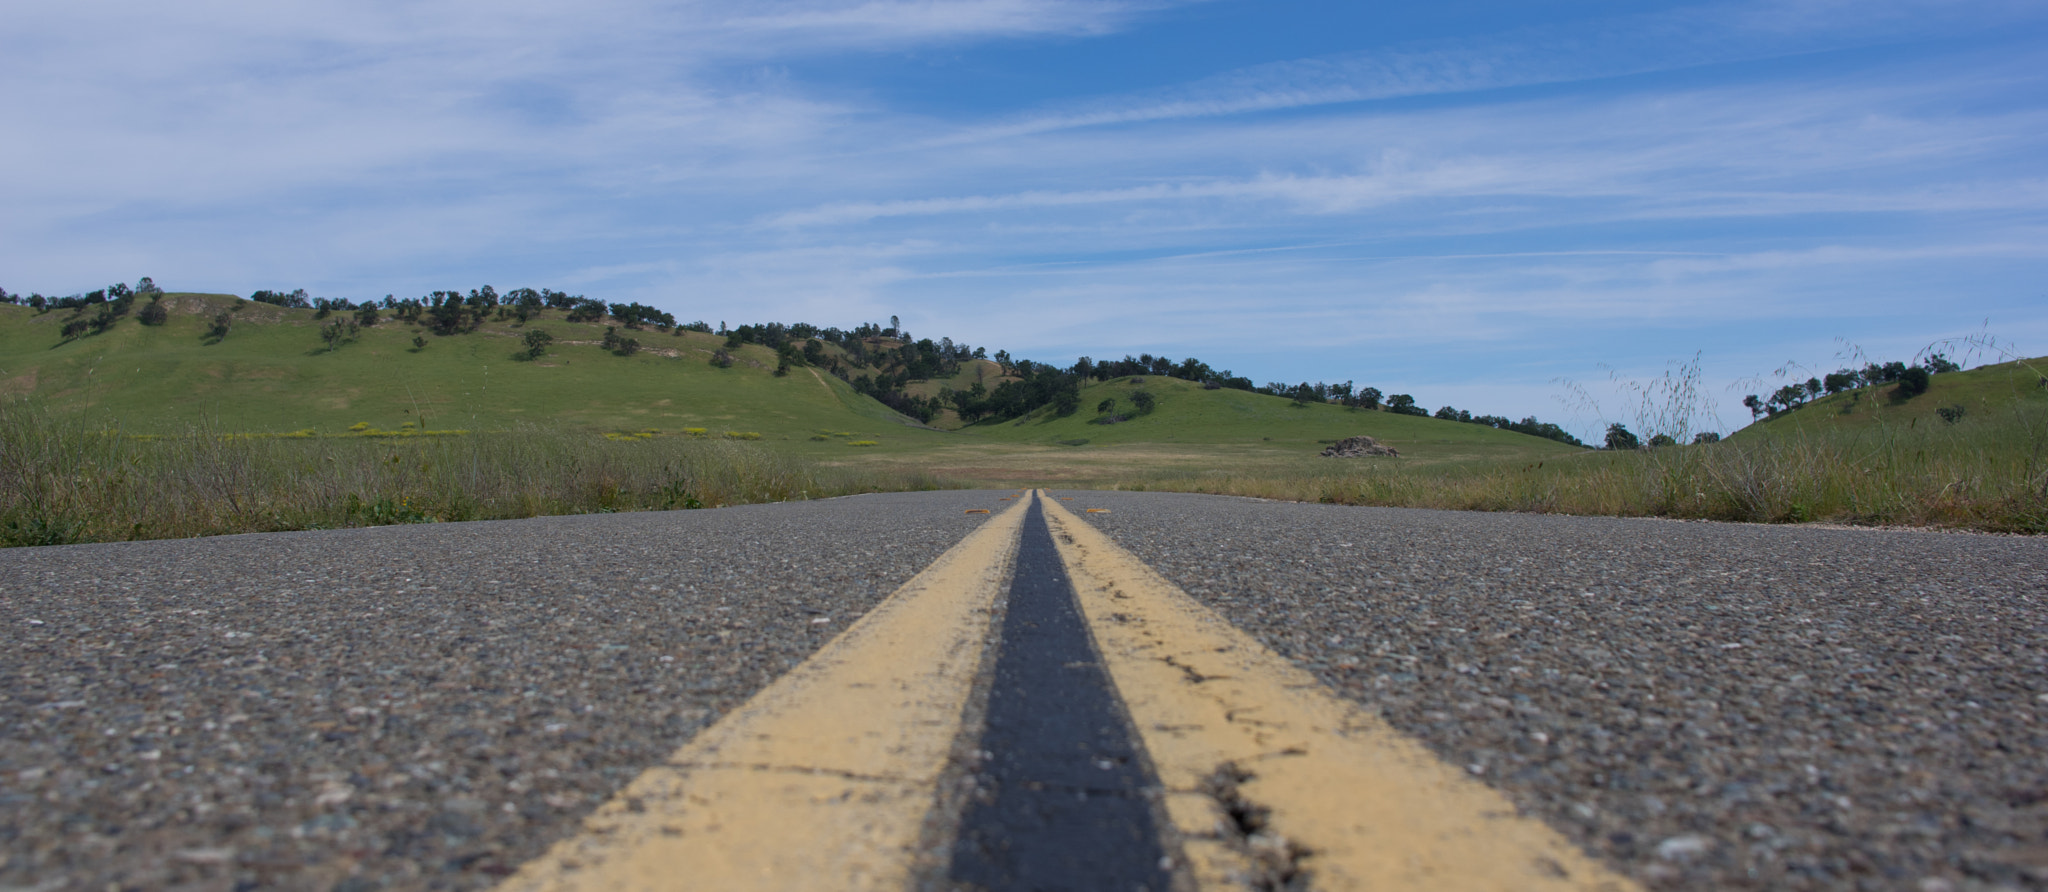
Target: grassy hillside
{"x": 273, "y": 373}
{"x": 1191, "y": 435}
{"x": 1866, "y": 457}
{"x": 1186, "y": 413}
{"x": 1985, "y": 396}
{"x": 1972, "y": 451}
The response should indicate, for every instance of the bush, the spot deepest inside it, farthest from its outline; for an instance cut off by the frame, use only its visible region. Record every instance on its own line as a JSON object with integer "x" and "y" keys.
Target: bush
{"x": 154, "y": 314}
{"x": 721, "y": 359}
{"x": 337, "y": 333}
{"x": 1951, "y": 414}
{"x": 1704, "y": 437}
{"x": 1912, "y": 382}
{"x": 618, "y": 344}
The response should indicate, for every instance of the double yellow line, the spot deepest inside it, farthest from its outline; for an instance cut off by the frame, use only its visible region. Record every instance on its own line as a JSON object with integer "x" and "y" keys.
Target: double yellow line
{"x": 827, "y": 778}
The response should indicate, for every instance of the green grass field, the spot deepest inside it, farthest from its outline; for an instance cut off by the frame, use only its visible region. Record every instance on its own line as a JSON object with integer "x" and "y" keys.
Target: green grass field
{"x": 1985, "y": 395}
{"x": 111, "y": 434}
{"x": 272, "y": 373}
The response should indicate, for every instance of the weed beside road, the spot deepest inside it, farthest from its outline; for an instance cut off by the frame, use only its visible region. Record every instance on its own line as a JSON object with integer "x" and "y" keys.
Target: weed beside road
{"x": 62, "y": 481}
{"x": 1985, "y": 471}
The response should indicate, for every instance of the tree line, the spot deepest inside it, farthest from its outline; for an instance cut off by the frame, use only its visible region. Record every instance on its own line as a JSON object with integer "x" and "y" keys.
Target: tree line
{"x": 108, "y": 305}
{"x": 1912, "y": 380}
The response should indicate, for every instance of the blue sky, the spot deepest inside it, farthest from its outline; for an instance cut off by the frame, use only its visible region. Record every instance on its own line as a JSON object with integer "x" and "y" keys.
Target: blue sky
{"x": 1472, "y": 202}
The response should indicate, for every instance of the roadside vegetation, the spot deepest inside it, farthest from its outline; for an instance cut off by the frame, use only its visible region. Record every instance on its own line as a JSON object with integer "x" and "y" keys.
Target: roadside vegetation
{"x": 1960, "y": 449}
{"x": 323, "y": 412}
{"x": 62, "y": 481}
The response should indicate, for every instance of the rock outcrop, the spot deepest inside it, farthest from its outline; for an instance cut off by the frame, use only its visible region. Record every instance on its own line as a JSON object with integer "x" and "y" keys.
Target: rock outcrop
{"x": 1358, "y": 447}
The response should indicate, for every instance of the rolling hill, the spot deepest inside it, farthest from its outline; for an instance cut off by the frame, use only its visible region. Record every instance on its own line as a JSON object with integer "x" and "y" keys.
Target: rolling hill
{"x": 272, "y": 372}
{"x": 1966, "y": 398}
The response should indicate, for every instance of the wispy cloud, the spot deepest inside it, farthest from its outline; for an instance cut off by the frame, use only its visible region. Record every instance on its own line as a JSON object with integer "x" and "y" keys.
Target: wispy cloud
{"x": 676, "y": 153}
{"x": 1629, "y": 45}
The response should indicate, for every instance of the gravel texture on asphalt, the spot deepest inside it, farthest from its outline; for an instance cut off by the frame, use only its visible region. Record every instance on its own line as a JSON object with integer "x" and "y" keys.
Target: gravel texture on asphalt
{"x": 1708, "y": 706}
{"x": 400, "y": 707}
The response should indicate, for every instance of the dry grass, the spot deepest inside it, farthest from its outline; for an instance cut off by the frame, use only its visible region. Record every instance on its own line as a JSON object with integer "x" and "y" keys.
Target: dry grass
{"x": 62, "y": 482}
{"x": 1984, "y": 473}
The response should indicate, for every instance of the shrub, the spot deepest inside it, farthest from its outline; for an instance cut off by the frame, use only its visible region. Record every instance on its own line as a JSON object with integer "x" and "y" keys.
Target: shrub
{"x": 154, "y": 314}
{"x": 619, "y": 345}
{"x": 1951, "y": 414}
{"x": 1912, "y": 382}
{"x": 721, "y": 359}
{"x": 337, "y": 333}
{"x": 1704, "y": 437}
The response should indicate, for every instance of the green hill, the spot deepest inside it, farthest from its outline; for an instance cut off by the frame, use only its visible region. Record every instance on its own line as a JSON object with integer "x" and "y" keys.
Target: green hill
{"x": 272, "y": 372}
{"x": 327, "y": 424}
{"x": 1984, "y": 394}
{"x": 1186, "y": 412}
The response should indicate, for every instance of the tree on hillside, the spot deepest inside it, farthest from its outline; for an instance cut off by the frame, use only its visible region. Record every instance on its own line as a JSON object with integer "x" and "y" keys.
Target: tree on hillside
{"x": 337, "y": 333}
{"x": 1912, "y": 382}
{"x": 1618, "y": 438}
{"x": 537, "y": 342}
{"x": 294, "y": 299}
{"x": 1403, "y": 404}
{"x": 618, "y": 344}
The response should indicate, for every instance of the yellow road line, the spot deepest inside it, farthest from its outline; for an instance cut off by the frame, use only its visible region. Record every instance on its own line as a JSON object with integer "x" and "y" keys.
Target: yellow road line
{"x": 824, "y": 778}
{"x": 1229, "y": 723}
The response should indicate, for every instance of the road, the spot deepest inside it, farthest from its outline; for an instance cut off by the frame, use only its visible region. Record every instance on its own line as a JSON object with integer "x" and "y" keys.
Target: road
{"x": 1671, "y": 705}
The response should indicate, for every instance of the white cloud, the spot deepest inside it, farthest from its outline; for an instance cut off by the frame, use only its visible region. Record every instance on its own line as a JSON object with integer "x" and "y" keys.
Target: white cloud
{"x": 663, "y": 153}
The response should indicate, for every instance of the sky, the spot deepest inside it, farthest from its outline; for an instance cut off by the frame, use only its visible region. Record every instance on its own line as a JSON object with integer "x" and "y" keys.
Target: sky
{"x": 1513, "y": 208}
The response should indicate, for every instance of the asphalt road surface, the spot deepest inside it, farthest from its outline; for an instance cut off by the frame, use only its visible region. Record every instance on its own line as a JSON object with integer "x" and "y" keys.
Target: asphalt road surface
{"x": 1696, "y": 706}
